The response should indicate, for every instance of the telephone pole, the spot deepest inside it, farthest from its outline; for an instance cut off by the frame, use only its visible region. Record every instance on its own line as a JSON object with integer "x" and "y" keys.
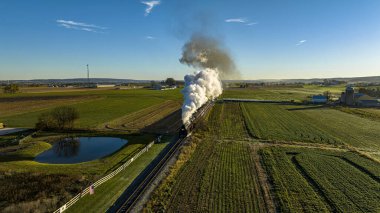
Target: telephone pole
{"x": 88, "y": 76}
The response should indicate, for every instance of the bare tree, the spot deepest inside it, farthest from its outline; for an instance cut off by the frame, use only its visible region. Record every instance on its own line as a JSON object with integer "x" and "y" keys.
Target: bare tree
{"x": 62, "y": 117}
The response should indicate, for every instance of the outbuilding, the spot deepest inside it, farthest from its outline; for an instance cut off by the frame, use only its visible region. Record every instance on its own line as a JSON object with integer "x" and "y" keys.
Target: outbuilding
{"x": 319, "y": 99}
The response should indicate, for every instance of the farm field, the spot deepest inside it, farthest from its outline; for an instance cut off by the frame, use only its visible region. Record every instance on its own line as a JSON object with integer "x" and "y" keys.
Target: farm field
{"x": 221, "y": 174}
{"x": 307, "y": 180}
{"x": 227, "y": 122}
{"x": 369, "y": 113}
{"x": 95, "y": 106}
{"x": 282, "y": 93}
{"x": 291, "y": 158}
{"x": 219, "y": 177}
{"x": 145, "y": 117}
{"x": 247, "y": 157}
{"x": 312, "y": 124}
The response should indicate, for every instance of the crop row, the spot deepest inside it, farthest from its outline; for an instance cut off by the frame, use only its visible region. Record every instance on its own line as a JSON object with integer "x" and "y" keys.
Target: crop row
{"x": 309, "y": 180}
{"x": 346, "y": 187}
{"x": 272, "y": 121}
{"x": 227, "y": 121}
{"x": 292, "y": 190}
{"x": 220, "y": 177}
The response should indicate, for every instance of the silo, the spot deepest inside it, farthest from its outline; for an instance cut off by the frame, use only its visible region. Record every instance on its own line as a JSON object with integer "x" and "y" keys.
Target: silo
{"x": 349, "y": 96}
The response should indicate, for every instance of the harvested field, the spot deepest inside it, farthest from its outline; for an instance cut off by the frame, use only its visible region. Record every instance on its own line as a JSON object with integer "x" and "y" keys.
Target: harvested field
{"x": 14, "y": 106}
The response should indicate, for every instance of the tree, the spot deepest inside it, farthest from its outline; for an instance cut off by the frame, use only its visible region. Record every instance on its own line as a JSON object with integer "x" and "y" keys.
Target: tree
{"x": 62, "y": 117}
{"x": 170, "y": 81}
{"x": 11, "y": 88}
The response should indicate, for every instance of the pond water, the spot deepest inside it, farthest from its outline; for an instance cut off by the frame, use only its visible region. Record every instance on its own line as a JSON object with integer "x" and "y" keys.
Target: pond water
{"x": 80, "y": 149}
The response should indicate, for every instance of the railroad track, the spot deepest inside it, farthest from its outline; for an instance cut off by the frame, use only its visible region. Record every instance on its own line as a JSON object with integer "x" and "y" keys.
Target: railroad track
{"x": 130, "y": 201}
{"x": 127, "y": 202}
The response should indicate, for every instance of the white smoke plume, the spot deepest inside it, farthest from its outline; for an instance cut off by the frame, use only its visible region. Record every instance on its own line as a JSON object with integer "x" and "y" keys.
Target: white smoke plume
{"x": 205, "y": 53}
{"x": 199, "y": 88}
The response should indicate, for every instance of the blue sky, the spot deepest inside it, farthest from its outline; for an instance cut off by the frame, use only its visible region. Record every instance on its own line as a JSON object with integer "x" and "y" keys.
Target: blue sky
{"x": 122, "y": 39}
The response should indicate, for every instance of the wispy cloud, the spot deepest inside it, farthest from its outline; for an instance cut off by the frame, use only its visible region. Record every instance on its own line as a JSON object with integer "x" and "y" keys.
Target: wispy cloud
{"x": 150, "y": 37}
{"x": 252, "y": 23}
{"x": 244, "y": 21}
{"x": 80, "y": 26}
{"x": 236, "y": 20}
{"x": 300, "y": 42}
{"x": 150, "y": 5}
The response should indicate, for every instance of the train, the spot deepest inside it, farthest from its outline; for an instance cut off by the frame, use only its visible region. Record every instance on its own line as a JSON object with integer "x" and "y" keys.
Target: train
{"x": 187, "y": 128}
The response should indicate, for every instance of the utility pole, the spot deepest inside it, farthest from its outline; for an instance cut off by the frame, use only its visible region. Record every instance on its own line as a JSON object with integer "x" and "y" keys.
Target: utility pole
{"x": 88, "y": 76}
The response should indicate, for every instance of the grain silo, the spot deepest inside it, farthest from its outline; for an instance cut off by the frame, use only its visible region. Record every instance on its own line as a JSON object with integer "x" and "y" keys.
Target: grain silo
{"x": 349, "y": 96}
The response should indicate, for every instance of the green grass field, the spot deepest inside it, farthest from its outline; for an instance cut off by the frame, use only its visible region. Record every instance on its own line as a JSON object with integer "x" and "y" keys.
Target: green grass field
{"x": 95, "y": 107}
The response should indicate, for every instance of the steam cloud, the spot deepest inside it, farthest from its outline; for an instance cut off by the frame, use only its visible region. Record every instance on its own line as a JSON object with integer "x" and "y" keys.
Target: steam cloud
{"x": 207, "y": 54}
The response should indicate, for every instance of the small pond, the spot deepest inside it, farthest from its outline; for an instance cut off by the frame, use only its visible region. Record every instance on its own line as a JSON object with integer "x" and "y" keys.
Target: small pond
{"x": 80, "y": 149}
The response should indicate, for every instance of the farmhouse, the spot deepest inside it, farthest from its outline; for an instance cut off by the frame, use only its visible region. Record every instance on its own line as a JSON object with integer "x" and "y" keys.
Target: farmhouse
{"x": 319, "y": 99}
{"x": 367, "y": 101}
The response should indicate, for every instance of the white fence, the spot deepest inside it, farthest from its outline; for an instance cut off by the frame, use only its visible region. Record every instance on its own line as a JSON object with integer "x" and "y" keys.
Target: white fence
{"x": 103, "y": 179}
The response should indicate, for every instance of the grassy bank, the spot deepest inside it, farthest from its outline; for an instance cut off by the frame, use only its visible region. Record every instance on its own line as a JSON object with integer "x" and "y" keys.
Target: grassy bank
{"x": 107, "y": 194}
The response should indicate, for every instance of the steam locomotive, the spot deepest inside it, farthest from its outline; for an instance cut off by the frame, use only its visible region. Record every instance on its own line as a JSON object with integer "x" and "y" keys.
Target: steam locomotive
{"x": 191, "y": 125}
